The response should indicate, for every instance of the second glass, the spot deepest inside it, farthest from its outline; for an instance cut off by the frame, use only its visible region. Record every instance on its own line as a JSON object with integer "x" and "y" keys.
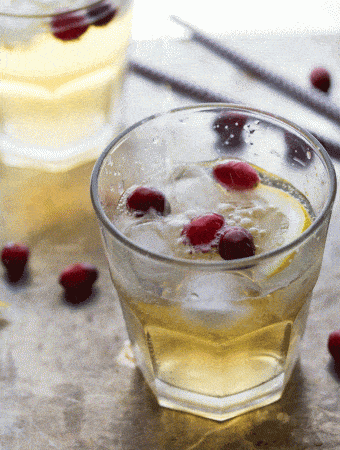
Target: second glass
{"x": 62, "y": 69}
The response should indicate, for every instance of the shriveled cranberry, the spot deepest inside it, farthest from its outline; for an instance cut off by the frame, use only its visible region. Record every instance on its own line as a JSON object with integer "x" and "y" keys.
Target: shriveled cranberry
{"x": 237, "y": 175}
{"x": 202, "y": 231}
{"x": 69, "y": 26}
{"x": 14, "y": 257}
{"x": 77, "y": 280}
{"x": 236, "y": 242}
{"x": 334, "y": 346}
{"x": 144, "y": 199}
{"x": 298, "y": 153}
{"x": 229, "y": 126}
{"x": 102, "y": 13}
{"x": 320, "y": 79}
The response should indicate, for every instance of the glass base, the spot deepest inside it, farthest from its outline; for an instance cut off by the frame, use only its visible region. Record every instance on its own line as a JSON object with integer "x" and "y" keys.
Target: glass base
{"x": 219, "y": 408}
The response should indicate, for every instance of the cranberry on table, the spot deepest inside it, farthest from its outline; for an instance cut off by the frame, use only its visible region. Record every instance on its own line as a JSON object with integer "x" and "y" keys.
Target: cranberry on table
{"x": 236, "y": 242}
{"x": 334, "y": 346}
{"x": 202, "y": 231}
{"x": 77, "y": 280}
{"x": 320, "y": 79}
{"x": 237, "y": 175}
{"x": 14, "y": 257}
{"x": 102, "y": 13}
{"x": 69, "y": 26}
{"x": 78, "y": 275}
{"x": 143, "y": 199}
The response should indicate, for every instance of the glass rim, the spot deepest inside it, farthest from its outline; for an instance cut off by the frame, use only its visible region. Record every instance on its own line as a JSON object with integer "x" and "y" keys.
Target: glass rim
{"x": 70, "y": 10}
{"x": 224, "y": 264}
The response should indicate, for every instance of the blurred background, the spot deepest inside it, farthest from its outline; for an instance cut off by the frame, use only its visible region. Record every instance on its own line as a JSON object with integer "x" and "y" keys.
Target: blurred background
{"x": 230, "y": 17}
{"x": 289, "y": 38}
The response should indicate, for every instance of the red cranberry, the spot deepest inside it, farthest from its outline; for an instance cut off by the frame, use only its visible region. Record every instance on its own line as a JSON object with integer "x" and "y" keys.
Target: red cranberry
{"x": 77, "y": 280}
{"x": 14, "y": 257}
{"x": 69, "y": 26}
{"x": 237, "y": 175}
{"x": 78, "y": 275}
{"x": 102, "y": 13}
{"x": 320, "y": 79}
{"x": 202, "y": 232}
{"x": 236, "y": 242}
{"x": 144, "y": 199}
{"x": 229, "y": 126}
{"x": 334, "y": 346}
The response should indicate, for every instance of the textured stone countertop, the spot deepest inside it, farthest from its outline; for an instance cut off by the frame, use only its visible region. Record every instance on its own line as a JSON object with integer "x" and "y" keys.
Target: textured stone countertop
{"x": 67, "y": 380}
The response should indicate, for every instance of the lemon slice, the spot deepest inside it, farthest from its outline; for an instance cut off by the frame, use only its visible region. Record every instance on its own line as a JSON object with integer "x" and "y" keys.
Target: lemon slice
{"x": 278, "y": 220}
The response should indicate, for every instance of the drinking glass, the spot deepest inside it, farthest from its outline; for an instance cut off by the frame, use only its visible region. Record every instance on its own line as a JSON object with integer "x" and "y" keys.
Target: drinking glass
{"x": 62, "y": 69}
{"x": 216, "y": 337}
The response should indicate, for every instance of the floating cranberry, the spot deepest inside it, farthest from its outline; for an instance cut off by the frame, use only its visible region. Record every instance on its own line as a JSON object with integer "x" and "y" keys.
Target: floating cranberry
{"x": 237, "y": 175}
{"x": 320, "y": 79}
{"x": 14, "y": 257}
{"x": 229, "y": 127}
{"x": 236, "y": 242}
{"x": 334, "y": 346}
{"x": 202, "y": 232}
{"x": 144, "y": 199}
{"x": 69, "y": 26}
{"x": 102, "y": 13}
{"x": 77, "y": 280}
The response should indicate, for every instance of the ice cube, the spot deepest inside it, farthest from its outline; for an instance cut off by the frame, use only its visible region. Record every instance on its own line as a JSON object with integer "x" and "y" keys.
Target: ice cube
{"x": 148, "y": 235}
{"x": 194, "y": 190}
{"x": 150, "y": 276}
{"x": 217, "y": 299}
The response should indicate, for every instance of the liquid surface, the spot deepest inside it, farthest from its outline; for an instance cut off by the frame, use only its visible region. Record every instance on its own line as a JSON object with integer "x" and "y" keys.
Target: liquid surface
{"x": 274, "y": 212}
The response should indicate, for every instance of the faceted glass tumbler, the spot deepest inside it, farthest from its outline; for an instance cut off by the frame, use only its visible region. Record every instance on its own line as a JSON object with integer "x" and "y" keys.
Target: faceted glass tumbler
{"x": 215, "y": 338}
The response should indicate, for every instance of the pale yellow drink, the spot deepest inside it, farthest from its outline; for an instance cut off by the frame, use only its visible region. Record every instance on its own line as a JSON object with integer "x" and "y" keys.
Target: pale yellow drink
{"x": 215, "y": 336}
{"x": 60, "y": 98}
{"x": 220, "y": 334}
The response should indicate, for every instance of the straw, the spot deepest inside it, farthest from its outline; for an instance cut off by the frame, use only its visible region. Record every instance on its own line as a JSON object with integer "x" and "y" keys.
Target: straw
{"x": 197, "y": 92}
{"x": 182, "y": 87}
{"x": 315, "y": 100}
